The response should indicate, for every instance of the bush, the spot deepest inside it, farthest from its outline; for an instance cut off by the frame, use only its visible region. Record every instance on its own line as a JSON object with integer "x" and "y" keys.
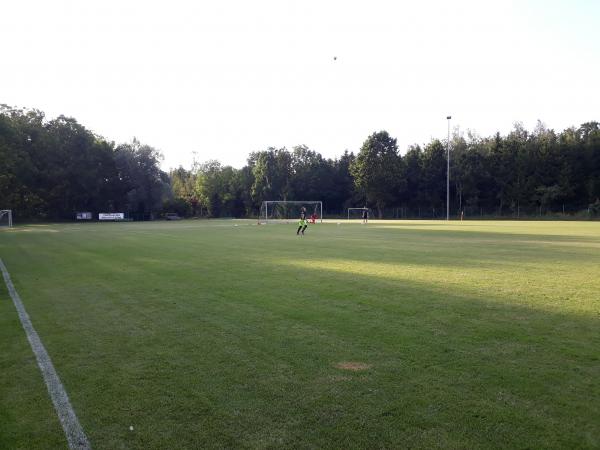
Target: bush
{"x": 177, "y": 205}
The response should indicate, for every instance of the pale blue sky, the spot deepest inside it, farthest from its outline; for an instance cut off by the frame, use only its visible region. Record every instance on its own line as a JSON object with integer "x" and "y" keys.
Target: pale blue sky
{"x": 229, "y": 77}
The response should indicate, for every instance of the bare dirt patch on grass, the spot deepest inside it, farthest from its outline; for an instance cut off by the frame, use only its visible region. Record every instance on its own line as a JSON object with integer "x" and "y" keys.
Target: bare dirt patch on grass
{"x": 353, "y": 366}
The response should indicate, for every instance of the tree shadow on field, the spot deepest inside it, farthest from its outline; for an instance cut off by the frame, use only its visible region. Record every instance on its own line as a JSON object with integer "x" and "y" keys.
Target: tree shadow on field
{"x": 462, "y": 249}
{"x": 261, "y": 362}
{"x": 469, "y": 370}
{"x": 477, "y": 234}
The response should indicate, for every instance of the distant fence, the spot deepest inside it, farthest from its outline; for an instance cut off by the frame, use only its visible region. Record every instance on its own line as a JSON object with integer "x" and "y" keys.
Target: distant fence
{"x": 566, "y": 212}
{"x": 431, "y": 213}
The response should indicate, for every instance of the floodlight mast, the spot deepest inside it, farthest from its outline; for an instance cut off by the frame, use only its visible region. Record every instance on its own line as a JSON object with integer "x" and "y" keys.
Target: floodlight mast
{"x": 448, "y": 171}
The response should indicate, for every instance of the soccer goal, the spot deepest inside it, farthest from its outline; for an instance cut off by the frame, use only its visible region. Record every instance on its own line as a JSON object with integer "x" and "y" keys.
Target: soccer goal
{"x": 357, "y": 213}
{"x": 5, "y": 218}
{"x": 286, "y": 211}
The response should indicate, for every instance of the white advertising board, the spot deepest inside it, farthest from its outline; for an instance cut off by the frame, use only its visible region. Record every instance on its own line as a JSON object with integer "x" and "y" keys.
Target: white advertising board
{"x": 111, "y": 216}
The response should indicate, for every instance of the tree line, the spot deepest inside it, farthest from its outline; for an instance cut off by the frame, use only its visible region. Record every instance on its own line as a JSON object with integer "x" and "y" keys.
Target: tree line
{"x": 50, "y": 169}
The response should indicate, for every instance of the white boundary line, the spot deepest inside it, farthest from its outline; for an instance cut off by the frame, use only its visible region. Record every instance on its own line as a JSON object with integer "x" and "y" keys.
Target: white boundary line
{"x": 73, "y": 431}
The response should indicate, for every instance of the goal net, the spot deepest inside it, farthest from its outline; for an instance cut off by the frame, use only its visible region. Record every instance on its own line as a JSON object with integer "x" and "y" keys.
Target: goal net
{"x": 5, "y": 218}
{"x": 284, "y": 211}
{"x": 357, "y": 213}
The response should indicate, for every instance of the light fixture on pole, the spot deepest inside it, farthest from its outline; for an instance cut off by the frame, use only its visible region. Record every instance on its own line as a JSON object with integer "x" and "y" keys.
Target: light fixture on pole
{"x": 448, "y": 171}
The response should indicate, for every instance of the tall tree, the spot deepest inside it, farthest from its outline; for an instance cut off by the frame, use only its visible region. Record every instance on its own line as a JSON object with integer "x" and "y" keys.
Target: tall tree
{"x": 272, "y": 171}
{"x": 433, "y": 181}
{"x": 209, "y": 187}
{"x": 138, "y": 167}
{"x": 376, "y": 169}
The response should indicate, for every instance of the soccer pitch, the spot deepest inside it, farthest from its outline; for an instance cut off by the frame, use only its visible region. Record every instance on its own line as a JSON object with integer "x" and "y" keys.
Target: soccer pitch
{"x": 225, "y": 334}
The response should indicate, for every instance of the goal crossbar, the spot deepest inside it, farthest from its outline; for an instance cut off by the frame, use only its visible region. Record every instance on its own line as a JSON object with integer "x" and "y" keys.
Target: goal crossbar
{"x": 265, "y": 206}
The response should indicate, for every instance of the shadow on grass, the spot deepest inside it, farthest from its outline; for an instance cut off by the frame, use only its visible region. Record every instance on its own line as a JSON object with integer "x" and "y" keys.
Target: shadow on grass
{"x": 506, "y": 235}
{"x": 446, "y": 368}
{"x": 465, "y": 249}
{"x": 451, "y": 365}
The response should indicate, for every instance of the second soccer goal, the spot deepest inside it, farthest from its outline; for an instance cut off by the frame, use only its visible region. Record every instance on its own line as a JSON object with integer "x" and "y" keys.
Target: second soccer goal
{"x": 359, "y": 213}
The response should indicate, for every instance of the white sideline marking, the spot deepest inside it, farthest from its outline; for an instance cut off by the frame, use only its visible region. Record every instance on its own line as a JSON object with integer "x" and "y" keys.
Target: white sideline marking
{"x": 73, "y": 431}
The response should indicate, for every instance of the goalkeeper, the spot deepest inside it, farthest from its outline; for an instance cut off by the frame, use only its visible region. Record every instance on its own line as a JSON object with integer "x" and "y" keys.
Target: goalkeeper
{"x": 303, "y": 223}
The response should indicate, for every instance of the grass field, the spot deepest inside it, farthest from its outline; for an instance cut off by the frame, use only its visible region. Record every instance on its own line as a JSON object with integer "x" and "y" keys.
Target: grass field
{"x": 202, "y": 334}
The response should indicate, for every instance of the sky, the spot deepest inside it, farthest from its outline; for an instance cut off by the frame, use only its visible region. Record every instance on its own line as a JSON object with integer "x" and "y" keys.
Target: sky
{"x": 202, "y": 80}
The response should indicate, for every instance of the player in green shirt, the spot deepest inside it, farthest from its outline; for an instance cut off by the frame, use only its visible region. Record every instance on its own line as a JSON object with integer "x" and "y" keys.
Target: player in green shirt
{"x": 303, "y": 223}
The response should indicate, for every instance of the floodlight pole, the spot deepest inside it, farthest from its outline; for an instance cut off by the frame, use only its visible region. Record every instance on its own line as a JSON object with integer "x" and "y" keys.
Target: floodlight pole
{"x": 448, "y": 171}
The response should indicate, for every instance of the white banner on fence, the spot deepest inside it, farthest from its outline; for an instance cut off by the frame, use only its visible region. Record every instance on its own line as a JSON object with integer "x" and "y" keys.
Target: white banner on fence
{"x": 111, "y": 216}
{"x": 84, "y": 216}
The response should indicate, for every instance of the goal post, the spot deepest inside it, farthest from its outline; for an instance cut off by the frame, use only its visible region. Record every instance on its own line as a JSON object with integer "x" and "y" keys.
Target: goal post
{"x": 287, "y": 210}
{"x": 6, "y": 218}
{"x": 360, "y": 210}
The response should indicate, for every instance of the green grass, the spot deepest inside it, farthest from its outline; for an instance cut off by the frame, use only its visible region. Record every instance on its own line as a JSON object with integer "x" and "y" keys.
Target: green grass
{"x": 201, "y": 334}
